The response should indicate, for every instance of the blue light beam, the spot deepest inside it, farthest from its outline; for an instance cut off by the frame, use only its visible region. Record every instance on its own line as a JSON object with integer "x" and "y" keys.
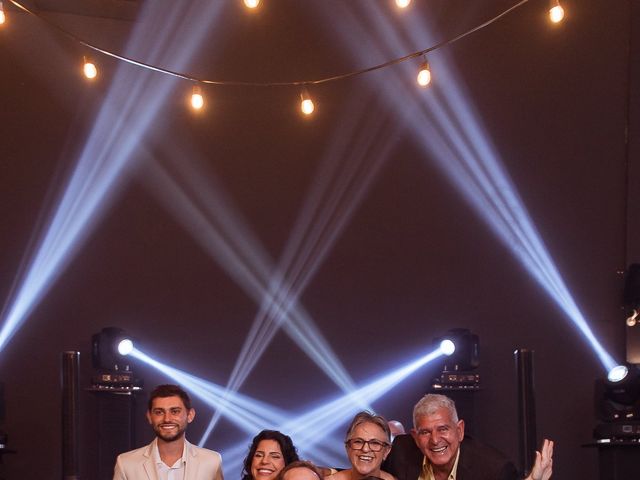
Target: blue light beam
{"x": 213, "y": 228}
{"x": 167, "y": 33}
{"x": 319, "y": 230}
{"x": 451, "y": 134}
{"x": 248, "y": 414}
{"x": 313, "y": 427}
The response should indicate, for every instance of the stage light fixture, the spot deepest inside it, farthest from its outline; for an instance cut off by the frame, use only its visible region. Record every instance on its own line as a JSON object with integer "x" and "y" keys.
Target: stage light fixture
{"x": 424, "y": 75}
{"x": 110, "y": 348}
{"x": 306, "y": 104}
{"x": 618, "y": 373}
{"x": 403, "y": 3}
{"x": 556, "y": 12}
{"x": 197, "y": 100}
{"x": 466, "y": 355}
{"x": 447, "y": 347}
{"x": 89, "y": 69}
{"x": 462, "y": 356}
{"x": 3, "y": 17}
{"x": 617, "y": 405}
{"x": 625, "y": 390}
{"x": 125, "y": 347}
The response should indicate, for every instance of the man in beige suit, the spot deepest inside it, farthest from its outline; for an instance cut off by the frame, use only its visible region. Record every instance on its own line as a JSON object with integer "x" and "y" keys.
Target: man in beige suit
{"x": 170, "y": 456}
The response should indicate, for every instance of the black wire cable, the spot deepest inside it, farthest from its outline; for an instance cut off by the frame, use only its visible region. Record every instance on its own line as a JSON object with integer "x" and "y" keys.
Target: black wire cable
{"x": 334, "y": 78}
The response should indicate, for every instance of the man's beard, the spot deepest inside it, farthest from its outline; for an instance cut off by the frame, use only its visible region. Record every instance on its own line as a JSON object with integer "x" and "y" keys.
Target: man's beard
{"x": 167, "y": 436}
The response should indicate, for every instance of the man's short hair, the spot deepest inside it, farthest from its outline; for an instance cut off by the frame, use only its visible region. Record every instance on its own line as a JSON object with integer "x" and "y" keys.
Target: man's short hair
{"x": 300, "y": 464}
{"x": 164, "y": 391}
{"x": 430, "y": 403}
{"x": 368, "y": 417}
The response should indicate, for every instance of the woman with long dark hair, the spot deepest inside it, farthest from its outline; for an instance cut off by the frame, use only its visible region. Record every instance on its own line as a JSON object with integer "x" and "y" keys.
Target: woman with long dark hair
{"x": 269, "y": 453}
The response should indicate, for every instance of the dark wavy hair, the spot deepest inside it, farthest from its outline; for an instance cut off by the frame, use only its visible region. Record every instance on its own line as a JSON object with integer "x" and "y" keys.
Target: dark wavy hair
{"x": 164, "y": 391}
{"x": 289, "y": 452}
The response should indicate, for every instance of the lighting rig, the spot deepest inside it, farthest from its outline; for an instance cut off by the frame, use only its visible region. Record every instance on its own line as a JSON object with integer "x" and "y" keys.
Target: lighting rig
{"x": 617, "y": 404}
{"x": 109, "y": 355}
{"x": 459, "y": 368}
{"x": 617, "y": 398}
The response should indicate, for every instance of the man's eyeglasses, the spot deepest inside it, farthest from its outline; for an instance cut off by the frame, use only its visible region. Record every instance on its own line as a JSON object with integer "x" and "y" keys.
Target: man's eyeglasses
{"x": 358, "y": 444}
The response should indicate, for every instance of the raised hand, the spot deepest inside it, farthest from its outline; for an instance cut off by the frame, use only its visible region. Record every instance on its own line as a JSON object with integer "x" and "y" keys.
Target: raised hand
{"x": 543, "y": 466}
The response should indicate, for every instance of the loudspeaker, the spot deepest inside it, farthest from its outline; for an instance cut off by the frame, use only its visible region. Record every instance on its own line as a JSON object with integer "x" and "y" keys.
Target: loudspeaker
{"x": 2, "y": 404}
{"x": 619, "y": 461}
{"x": 526, "y": 409}
{"x": 115, "y": 415}
{"x": 70, "y": 414}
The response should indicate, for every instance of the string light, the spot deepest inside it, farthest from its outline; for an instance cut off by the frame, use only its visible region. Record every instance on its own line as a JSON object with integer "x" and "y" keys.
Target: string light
{"x": 556, "y": 12}
{"x": 424, "y": 74}
{"x": 306, "y": 104}
{"x": 252, "y": 3}
{"x": 3, "y": 18}
{"x": 334, "y": 78}
{"x": 197, "y": 100}
{"x": 90, "y": 70}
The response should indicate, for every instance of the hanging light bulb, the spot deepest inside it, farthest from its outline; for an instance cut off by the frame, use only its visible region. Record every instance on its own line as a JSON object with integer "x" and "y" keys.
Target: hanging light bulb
{"x": 197, "y": 100}
{"x": 556, "y": 12}
{"x": 403, "y": 3}
{"x": 3, "y": 18}
{"x": 306, "y": 104}
{"x": 90, "y": 70}
{"x": 251, "y": 3}
{"x": 424, "y": 74}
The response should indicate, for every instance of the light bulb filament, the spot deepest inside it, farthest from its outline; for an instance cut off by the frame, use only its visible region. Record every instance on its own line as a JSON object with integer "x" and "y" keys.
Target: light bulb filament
{"x": 556, "y": 12}
{"x": 306, "y": 104}
{"x": 197, "y": 100}
{"x": 424, "y": 75}
{"x": 90, "y": 70}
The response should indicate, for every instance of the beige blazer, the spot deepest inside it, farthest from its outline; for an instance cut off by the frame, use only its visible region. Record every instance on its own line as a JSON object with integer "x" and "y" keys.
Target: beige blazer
{"x": 202, "y": 464}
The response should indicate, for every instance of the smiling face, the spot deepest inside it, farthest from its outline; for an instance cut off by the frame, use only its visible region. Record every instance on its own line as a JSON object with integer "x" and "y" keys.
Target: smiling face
{"x": 366, "y": 462}
{"x": 268, "y": 460}
{"x": 439, "y": 437}
{"x": 169, "y": 418}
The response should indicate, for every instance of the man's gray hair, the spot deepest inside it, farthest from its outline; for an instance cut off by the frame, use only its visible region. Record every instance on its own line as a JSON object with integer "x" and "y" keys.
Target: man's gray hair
{"x": 430, "y": 403}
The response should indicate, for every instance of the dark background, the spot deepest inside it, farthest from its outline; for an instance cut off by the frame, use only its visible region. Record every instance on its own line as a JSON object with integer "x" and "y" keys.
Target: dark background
{"x": 560, "y": 104}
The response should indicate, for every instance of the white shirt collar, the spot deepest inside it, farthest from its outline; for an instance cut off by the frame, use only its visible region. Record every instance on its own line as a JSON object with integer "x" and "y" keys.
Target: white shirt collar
{"x": 155, "y": 454}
